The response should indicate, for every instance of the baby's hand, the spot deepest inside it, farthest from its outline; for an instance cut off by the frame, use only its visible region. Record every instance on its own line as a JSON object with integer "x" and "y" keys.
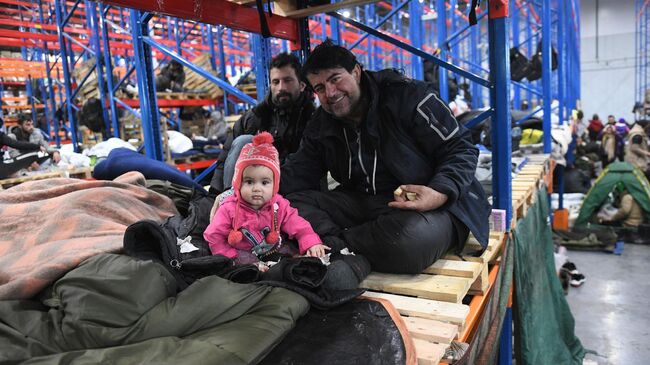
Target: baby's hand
{"x": 317, "y": 250}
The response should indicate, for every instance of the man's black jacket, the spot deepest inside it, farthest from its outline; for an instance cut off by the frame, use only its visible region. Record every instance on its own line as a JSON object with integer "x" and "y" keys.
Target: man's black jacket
{"x": 286, "y": 126}
{"x": 418, "y": 141}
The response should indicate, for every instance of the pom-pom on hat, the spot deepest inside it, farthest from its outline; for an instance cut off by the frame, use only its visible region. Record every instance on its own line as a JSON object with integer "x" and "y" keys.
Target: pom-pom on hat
{"x": 260, "y": 152}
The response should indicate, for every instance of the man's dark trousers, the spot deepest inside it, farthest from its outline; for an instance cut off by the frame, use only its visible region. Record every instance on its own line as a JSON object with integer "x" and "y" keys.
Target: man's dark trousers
{"x": 393, "y": 240}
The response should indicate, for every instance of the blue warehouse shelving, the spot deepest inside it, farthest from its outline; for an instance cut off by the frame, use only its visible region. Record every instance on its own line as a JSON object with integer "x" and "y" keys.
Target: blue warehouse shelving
{"x": 126, "y": 42}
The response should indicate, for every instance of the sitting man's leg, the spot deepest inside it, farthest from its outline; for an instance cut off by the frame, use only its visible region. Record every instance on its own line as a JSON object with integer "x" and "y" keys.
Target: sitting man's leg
{"x": 229, "y": 165}
{"x": 393, "y": 240}
{"x": 328, "y": 212}
{"x": 405, "y": 242}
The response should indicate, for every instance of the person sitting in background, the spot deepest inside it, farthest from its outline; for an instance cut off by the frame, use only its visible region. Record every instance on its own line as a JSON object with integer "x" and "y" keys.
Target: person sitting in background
{"x": 25, "y": 132}
{"x": 13, "y": 165}
{"x": 629, "y": 212}
{"x": 636, "y": 149}
{"x": 594, "y": 128}
{"x": 283, "y": 113}
{"x": 216, "y": 128}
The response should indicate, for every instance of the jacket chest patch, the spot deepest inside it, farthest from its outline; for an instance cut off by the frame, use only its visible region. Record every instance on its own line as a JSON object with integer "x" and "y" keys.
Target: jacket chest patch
{"x": 443, "y": 131}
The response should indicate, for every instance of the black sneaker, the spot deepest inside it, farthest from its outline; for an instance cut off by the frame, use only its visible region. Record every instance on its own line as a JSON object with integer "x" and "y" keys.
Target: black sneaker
{"x": 571, "y": 267}
{"x": 565, "y": 279}
{"x": 577, "y": 279}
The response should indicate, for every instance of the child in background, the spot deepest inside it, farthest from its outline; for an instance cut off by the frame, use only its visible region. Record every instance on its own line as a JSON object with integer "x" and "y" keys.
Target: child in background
{"x": 248, "y": 225}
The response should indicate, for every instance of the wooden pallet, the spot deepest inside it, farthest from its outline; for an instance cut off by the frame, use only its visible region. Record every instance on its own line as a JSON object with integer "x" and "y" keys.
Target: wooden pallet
{"x": 430, "y": 302}
{"x": 432, "y": 324}
{"x": 198, "y": 84}
{"x": 81, "y": 173}
{"x": 526, "y": 184}
{"x": 90, "y": 88}
{"x": 186, "y": 95}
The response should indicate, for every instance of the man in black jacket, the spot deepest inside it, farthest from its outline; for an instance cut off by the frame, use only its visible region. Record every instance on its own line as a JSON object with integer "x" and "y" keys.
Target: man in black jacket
{"x": 375, "y": 132}
{"x": 283, "y": 113}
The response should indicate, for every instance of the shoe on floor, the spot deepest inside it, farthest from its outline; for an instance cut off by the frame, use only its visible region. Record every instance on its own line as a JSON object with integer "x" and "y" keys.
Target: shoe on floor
{"x": 571, "y": 267}
{"x": 577, "y": 279}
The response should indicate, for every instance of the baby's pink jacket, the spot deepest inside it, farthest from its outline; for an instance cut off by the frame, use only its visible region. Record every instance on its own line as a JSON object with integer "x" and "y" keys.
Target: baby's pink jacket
{"x": 293, "y": 225}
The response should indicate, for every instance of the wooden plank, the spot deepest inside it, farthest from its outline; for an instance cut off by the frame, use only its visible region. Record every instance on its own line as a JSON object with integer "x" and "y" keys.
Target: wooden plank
{"x": 467, "y": 257}
{"x": 463, "y": 269}
{"x": 429, "y": 353}
{"x": 435, "y": 287}
{"x": 17, "y": 180}
{"x": 425, "y": 308}
{"x": 431, "y": 330}
{"x": 312, "y": 10}
{"x": 481, "y": 284}
{"x": 283, "y": 7}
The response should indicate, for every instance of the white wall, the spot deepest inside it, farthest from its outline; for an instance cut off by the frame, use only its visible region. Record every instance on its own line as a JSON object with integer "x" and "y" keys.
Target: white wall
{"x": 607, "y": 71}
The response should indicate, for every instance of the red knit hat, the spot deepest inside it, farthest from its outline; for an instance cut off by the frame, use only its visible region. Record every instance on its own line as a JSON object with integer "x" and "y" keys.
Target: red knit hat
{"x": 260, "y": 152}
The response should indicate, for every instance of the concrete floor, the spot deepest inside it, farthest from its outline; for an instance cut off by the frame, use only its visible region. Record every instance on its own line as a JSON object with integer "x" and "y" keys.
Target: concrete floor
{"x": 612, "y": 308}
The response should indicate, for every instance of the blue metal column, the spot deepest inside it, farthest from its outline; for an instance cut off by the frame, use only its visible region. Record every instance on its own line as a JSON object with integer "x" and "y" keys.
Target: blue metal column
{"x": 529, "y": 52}
{"x": 150, "y": 116}
{"x": 262, "y": 52}
{"x": 335, "y": 30}
{"x": 2, "y": 91}
{"x": 66, "y": 72}
{"x": 222, "y": 68}
{"x": 562, "y": 78}
{"x": 441, "y": 25}
{"x": 501, "y": 121}
{"x": 415, "y": 34}
{"x": 501, "y": 137}
{"x": 91, "y": 17}
{"x": 637, "y": 59}
{"x": 546, "y": 73}
{"x": 233, "y": 69}
{"x": 103, "y": 9}
{"x": 514, "y": 16}
{"x": 373, "y": 60}
{"x": 50, "y": 82}
{"x": 505, "y": 346}
{"x": 474, "y": 52}
{"x": 576, "y": 76}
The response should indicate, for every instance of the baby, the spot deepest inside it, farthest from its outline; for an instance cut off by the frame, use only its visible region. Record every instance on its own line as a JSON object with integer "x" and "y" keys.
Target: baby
{"x": 248, "y": 225}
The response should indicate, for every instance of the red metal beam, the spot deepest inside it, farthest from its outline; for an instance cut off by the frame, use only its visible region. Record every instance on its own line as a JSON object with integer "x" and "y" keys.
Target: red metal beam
{"x": 203, "y": 164}
{"x": 173, "y": 103}
{"x": 216, "y": 12}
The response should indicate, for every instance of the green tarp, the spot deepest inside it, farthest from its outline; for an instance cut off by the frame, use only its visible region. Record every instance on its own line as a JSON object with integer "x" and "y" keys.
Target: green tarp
{"x": 544, "y": 325}
{"x": 634, "y": 180}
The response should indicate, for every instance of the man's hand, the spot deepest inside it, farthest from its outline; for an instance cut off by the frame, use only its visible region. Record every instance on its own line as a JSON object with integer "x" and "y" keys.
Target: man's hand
{"x": 426, "y": 198}
{"x": 317, "y": 250}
